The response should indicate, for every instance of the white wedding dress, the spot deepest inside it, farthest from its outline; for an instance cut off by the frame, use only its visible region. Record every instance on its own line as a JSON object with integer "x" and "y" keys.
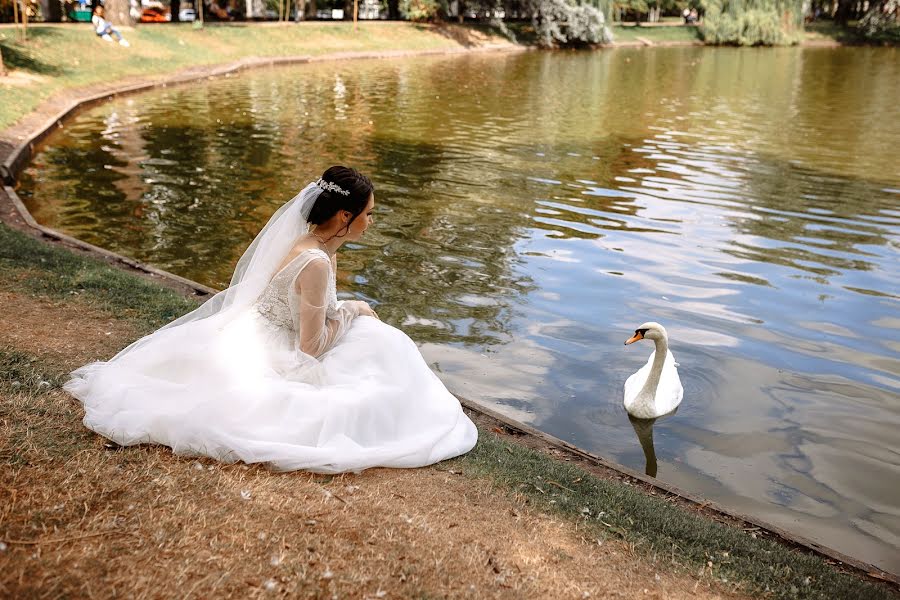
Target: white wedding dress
{"x": 233, "y": 385}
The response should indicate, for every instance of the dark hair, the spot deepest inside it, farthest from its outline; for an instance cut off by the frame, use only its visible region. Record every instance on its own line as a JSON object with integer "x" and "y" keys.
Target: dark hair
{"x": 330, "y": 202}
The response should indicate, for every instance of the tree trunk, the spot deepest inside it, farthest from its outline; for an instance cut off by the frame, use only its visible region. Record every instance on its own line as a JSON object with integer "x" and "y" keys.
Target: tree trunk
{"x": 118, "y": 12}
{"x": 52, "y": 11}
{"x": 256, "y": 9}
{"x": 844, "y": 10}
{"x": 299, "y": 10}
{"x": 393, "y": 9}
{"x": 174, "y": 10}
{"x": 16, "y": 15}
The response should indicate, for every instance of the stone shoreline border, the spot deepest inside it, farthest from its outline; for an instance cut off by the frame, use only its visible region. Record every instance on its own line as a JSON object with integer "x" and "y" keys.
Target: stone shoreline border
{"x": 14, "y": 214}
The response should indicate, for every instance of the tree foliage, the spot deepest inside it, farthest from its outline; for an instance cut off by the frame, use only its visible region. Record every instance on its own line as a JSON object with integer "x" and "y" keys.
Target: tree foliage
{"x": 752, "y": 22}
{"x": 881, "y": 20}
{"x": 567, "y": 23}
{"x": 420, "y": 10}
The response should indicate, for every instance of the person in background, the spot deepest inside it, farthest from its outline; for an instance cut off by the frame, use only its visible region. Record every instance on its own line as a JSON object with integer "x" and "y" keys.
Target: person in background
{"x": 104, "y": 28}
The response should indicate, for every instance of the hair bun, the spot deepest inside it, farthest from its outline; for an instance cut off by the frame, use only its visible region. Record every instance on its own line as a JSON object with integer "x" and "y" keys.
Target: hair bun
{"x": 343, "y": 188}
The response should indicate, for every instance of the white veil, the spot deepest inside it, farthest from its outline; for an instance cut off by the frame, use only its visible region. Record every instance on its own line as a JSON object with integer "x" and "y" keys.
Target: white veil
{"x": 253, "y": 271}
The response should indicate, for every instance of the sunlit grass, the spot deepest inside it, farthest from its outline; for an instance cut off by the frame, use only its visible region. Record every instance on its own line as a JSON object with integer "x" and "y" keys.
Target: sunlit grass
{"x": 680, "y": 33}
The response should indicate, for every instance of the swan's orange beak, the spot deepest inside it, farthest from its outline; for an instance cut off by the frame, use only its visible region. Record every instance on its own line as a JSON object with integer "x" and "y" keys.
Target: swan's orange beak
{"x": 635, "y": 338}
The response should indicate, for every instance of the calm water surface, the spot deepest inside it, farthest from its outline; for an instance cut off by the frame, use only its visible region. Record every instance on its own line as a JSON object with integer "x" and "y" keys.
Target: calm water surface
{"x": 534, "y": 209}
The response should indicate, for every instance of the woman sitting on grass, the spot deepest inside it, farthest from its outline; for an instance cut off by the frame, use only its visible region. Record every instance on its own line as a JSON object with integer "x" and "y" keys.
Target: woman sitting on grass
{"x": 104, "y": 28}
{"x": 276, "y": 369}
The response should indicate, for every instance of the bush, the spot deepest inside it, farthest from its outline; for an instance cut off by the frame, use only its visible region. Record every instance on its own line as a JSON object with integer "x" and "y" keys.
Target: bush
{"x": 752, "y": 22}
{"x": 420, "y": 10}
{"x": 561, "y": 23}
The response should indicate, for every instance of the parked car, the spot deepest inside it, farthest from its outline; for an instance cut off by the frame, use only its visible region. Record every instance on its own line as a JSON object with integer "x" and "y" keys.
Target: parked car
{"x": 155, "y": 15}
{"x": 187, "y": 14}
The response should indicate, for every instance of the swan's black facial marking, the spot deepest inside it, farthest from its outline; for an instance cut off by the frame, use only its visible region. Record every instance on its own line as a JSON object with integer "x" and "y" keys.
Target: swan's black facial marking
{"x": 638, "y": 335}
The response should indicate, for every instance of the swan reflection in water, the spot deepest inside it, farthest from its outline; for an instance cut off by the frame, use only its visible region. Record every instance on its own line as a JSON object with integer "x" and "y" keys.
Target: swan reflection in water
{"x": 643, "y": 428}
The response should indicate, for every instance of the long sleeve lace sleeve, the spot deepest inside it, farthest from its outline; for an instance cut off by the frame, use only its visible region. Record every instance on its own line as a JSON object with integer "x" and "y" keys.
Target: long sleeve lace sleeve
{"x": 317, "y": 330}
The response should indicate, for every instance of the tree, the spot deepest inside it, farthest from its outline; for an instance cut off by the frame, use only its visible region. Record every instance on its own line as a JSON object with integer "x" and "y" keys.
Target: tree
{"x": 119, "y": 12}
{"x": 882, "y": 19}
{"x": 568, "y": 23}
{"x": 752, "y": 22}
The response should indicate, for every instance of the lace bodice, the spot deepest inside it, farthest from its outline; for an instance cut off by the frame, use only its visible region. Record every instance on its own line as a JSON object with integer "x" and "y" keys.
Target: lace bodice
{"x": 275, "y": 302}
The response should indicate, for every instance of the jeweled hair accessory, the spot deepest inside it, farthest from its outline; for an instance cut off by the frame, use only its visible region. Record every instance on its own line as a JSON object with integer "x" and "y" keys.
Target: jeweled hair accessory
{"x": 331, "y": 187}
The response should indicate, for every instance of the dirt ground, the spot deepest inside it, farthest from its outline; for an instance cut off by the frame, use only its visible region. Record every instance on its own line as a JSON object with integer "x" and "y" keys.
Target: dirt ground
{"x": 80, "y": 518}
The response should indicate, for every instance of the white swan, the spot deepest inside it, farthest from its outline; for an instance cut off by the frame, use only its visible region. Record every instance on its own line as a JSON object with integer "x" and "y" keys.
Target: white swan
{"x": 655, "y": 390}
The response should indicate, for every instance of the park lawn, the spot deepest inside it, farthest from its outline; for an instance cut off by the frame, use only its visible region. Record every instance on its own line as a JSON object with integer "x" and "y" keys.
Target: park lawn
{"x": 60, "y": 57}
{"x": 656, "y": 34}
{"x": 514, "y": 522}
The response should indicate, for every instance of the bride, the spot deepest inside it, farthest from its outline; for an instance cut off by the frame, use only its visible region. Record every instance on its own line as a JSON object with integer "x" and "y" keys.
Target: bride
{"x": 275, "y": 369}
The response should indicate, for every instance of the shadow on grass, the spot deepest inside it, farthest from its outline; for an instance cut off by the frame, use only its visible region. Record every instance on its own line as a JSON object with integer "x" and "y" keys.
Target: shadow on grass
{"x": 468, "y": 35}
{"x": 850, "y": 34}
{"x": 25, "y": 55}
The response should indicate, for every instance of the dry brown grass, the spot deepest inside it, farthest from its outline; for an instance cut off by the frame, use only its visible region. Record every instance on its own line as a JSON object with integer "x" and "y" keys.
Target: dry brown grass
{"x": 81, "y": 519}
{"x": 146, "y": 524}
{"x": 78, "y": 333}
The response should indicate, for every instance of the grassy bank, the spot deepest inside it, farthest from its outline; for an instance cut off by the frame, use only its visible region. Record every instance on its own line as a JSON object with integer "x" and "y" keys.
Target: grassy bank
{"x": 55, "y": 58}
{"x": 829, "y": 31}
{"x": 102, "y": 512}
{"x": 657, "y": 34}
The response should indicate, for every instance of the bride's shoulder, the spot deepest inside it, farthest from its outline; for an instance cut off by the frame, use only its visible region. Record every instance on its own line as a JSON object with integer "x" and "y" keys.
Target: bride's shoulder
{"x": 302, "y": 249}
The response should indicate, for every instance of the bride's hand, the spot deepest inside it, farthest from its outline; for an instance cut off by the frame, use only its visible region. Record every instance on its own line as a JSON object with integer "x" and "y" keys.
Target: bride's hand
{"x": 364, "y": 310}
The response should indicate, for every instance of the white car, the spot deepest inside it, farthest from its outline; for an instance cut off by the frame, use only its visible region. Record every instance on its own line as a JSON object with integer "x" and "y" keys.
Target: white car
{"x": 187, "y": 14}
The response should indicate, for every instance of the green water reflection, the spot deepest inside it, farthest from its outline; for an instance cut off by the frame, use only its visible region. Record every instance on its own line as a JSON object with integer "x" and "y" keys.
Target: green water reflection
{"x": 533, "y": 209}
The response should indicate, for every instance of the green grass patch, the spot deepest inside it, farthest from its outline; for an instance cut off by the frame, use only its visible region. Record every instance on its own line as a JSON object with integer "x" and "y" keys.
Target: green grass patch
{"x": 38, "y": 268}
{"x": 659, "y": 529}
{"x": 28, "y": 409}
{"x": 680, "y": 33}
{"x": 21, "y": 373}
{"x": 63, "y": 57}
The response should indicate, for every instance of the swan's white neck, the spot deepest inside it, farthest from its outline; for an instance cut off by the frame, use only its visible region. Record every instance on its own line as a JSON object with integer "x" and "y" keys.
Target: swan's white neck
{"x": 656, "y": 369}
